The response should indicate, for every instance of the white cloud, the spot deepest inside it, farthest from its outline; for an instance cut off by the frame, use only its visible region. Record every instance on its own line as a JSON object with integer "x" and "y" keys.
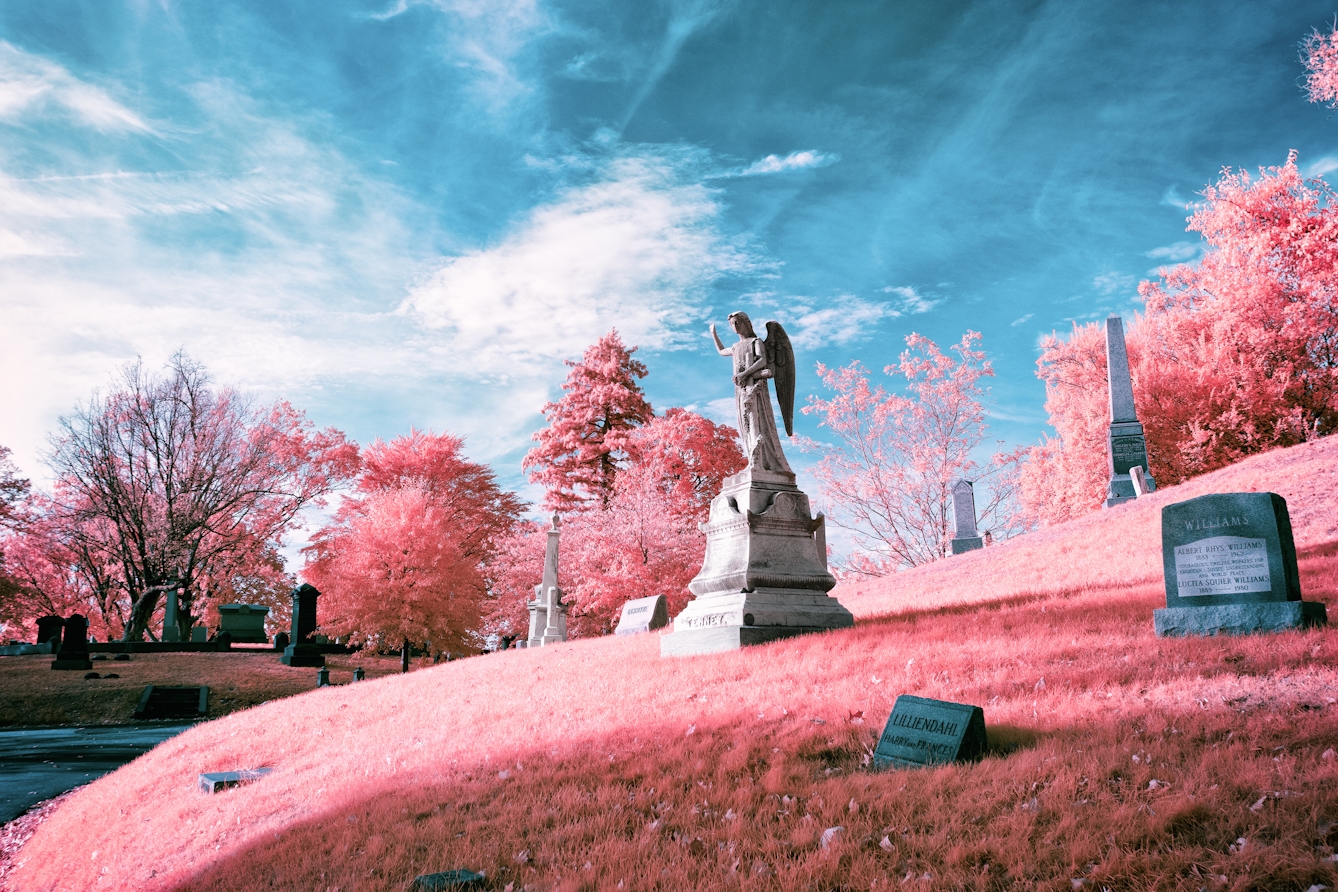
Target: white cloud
{"x": 844, "y": 319}
{"x": 1320, "y": 166}
{"x": 1172, "y": 198}
{"x": 912, "y": 301}
{"x": 793, "y": 161}
{"x": 28, "y": 82}
{"x": 632, "y": 250}
{"x": 1109, "y": 283}
{"x": 1177, "y": 253}
{"x": 1021, "y": 319}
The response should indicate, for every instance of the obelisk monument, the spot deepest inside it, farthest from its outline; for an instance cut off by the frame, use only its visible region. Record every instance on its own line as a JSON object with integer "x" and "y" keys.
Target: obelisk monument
{"x": 548, "y": 615}
{"x": 1125, "y": 445}
{"x": 965, "y": 536}
{"x": 764, "y": 575}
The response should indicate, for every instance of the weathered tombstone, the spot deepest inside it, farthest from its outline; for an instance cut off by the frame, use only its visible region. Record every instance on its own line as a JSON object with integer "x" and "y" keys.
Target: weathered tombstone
{"x": 1126, "y": 446}
{"x": 1229, "y": 563}
{"x": 548, "y": 615}
{"x": 923, "y": 732}
{"x": 643, "y": 615}
{"x": 280, "y": 641}
{"x": 48, "y": 629}
{"x": 172, "y": 702}
{"x": 446, "y": 880}
{"x": 217, "y": 781}
{"x": 303, "y": 651}
{"x": 73, "y": 652}
{"x": 199, "y": 634}
{"x": 358, "y": 674}
{"x": 245, "y": 622}
{"x": 764, "y": 575}
{"x": 171, "y": 634}
{"x": 964, "y": 518}
{"x": 322, "y": 677}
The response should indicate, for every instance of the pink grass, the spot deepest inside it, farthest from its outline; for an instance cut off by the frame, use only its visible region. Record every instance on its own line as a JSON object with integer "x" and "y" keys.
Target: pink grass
{"x": 597, "y": 762}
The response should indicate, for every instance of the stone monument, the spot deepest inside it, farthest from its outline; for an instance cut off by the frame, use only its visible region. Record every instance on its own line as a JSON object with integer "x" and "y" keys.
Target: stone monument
{"x": 1126, "y": 446}
{"x": 245, "y": 622}
{"x": 643, "y": 615}
{"x": 765, "y": 575}
{"x": 548, "y": 615}
{"x": 302, "y": 651}
{"x": 1230, "y": 567}
{"x": 73, "y": 652}
{"x": 49, "y": 629}
{"x": 171, "y": 633}
{"x": 923, "y": 732}
{"x": 965, "y": 537}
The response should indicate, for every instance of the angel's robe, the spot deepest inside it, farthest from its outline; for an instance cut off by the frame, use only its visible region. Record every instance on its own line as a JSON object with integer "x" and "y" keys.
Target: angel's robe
{"x": 757, "y": 421}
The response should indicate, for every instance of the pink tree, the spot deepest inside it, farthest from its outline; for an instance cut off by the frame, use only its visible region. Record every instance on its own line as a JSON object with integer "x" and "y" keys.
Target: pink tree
{"x": 889, "y": 476}
{"x": 579, "y": 454}
{"x": 1319, "y": 55}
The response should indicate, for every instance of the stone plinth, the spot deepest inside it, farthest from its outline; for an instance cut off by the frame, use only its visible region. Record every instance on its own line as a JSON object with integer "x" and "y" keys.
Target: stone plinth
{"x": 765, "y": 572}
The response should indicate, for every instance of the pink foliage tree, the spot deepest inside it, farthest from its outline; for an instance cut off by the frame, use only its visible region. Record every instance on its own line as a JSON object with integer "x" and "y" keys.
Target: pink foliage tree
{"x": 888, "y": 478}
{"x": 586, "y": 442}
{"x": 1319, "y": 55}
{"x": 405, "y": 561}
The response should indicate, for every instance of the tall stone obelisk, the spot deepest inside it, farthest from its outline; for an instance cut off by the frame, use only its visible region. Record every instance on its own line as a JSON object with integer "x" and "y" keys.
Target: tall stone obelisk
{"x": 548, "y": 615}
{"x": 765, "y": 574}
{"x": 965, "y": 537}
{"x": 1126, "y": 446}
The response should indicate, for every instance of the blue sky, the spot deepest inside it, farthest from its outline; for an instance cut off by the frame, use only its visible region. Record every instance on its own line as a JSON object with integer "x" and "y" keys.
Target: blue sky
{"x": 398, "y": 213}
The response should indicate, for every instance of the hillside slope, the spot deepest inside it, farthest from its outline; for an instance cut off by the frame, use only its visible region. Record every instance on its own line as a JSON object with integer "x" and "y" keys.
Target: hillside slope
{"x": 1119, "y": 759}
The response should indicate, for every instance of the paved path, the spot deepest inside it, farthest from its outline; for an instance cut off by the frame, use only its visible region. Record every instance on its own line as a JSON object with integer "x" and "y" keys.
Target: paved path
{"x": 40, "y": 764}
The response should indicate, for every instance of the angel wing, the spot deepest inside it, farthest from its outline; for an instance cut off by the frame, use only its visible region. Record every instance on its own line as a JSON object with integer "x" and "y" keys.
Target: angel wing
{"x": 780, "y": 359}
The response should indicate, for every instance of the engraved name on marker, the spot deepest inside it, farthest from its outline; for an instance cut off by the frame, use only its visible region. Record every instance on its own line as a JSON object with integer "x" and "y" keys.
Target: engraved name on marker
{"x": 1222, "y": 565}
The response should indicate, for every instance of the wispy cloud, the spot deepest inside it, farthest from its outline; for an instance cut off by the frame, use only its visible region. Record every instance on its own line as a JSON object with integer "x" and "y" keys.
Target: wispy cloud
{"x": 28, "y": 83}
{"x": 1021, "y": 320}
{"x": 1179, "y": 252}
{"x": 839, "y": 320}
{"x": 1320, "y": 166}
{"x": 1172, "y": 198}
{"x": 1111, "y": 282}
{"x": 808, "y": 158}
{"x": 632, "y": 250}
{"x": 910, "y": 300}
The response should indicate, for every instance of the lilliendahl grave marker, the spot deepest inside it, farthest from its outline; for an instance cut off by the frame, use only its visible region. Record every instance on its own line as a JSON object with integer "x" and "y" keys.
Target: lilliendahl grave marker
{"x": 1230, "y": 567}
{"x": 922, "y": 732}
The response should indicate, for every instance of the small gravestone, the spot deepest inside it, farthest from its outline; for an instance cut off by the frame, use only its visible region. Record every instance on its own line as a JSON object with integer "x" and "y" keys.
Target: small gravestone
{"x": 199, "y": 634}
{"x": 449, "y": 879}
{"x": 48, "y": 630}
{"x": 303, "y": 651}
{"x": 216, "y": 781}
{"x": 73, "y": 653}
{"x": 1229, "y": 562}
{"x": 964, "y": 518}
{"x": 643, "y": 615}
{"x": 322, "y": 677}
{"x": 358, "y": 674}
{"x": 162, "y": 702}
{"x": 930, "y": 732}
{"x": 281, "y": 641}
{"x": 245, "y": 622}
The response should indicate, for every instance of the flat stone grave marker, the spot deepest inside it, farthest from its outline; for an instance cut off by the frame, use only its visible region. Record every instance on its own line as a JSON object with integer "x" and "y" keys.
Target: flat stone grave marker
{"x": 215, "y": 781}
{"x": 448, "y": 879}
{"x": 162, "y": 702}
{"x": 643, "y": 615}
{"x": 1229, "y": 563}
{"x": 922, "y": 732}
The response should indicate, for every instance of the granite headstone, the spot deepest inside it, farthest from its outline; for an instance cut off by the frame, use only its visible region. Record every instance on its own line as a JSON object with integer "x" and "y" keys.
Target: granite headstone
{"x": 303, "y": 651}
{"x": 73, "y": 652}
{"x": 923, "y": 732}
{"x": 1126, "y": 447}
{"x": 245, "y": 622}
{"x": 1229, "y": 563}
{"x": 643, "y": 615}
{"x": 964, "y": 536}
{"x": 49, "y": 629}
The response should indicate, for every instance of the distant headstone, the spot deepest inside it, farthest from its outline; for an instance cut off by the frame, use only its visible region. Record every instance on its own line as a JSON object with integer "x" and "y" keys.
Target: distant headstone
{"x": 548, "y": 615}
{"x": 358, "y": 674}
{"x": 643, "y": 615}
{"x": 217, "y": 781}
{"x": 964, "y": 518}
{"x": 199, "y": 634}
{"x": 450, "y": 879}
{"x": 1126, "y": 446}
{"x": 171, "y": 633}
{"x": 930, "y": 732}
{"x": 280, "y": 641}
{"x": 163, "y": 702}
{"x": 73, "y": 653}
{"x": 302, "y": 651}
{"x": 245, "y": 622}
{"x": 1229, "y": 563}
{"x": 48, "y": 629}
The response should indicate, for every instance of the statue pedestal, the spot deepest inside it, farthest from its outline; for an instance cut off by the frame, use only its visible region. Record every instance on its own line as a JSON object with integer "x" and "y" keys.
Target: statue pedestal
{"x": 765, "y": 573}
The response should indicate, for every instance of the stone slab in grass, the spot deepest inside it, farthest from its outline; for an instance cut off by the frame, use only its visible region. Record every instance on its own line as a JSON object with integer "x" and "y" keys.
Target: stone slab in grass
{"x": 449, "y": 879}
{"x": 643, "y": 615}
{"x": 924, "y": 732}
{"x": 216, "y": 781}
{"x": 162, "y": 702}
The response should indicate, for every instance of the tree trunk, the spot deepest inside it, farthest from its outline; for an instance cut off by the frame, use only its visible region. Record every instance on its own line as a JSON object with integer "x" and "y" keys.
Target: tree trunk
{"x": 404, "y": 656}
{"x": 140, "y": 614}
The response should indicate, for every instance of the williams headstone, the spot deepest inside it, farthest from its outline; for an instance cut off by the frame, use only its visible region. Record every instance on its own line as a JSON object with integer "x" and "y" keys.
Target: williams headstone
{"x": 1229, "y": 563}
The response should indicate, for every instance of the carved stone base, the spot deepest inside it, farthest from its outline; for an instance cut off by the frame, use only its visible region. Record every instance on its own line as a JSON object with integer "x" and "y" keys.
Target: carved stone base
{"x": 765, "y": 573}
{"x": 1238, "y": 619}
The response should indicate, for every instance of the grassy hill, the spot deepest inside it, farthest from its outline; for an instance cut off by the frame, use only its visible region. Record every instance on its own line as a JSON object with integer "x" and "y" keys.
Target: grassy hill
{"x": 1120, "y": 760}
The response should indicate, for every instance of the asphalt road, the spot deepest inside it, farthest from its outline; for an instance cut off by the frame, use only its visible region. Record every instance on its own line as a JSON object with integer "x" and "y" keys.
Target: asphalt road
{"x": 40, "y": 764}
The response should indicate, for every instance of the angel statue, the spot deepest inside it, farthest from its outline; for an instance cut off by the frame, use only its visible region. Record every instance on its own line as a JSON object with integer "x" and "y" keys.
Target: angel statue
{"x": 756, "y": 361}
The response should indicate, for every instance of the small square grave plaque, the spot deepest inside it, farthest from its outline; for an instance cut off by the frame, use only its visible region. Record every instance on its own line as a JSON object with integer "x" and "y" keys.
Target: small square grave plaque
{"x": 643, "y": 615}
{"x": 1229, "y": 564}
{"x": 447, "y": 879}
{"x": 215, "y": 781}
{"x": 160, "y": 702}
{"x": 930, "y": 732}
